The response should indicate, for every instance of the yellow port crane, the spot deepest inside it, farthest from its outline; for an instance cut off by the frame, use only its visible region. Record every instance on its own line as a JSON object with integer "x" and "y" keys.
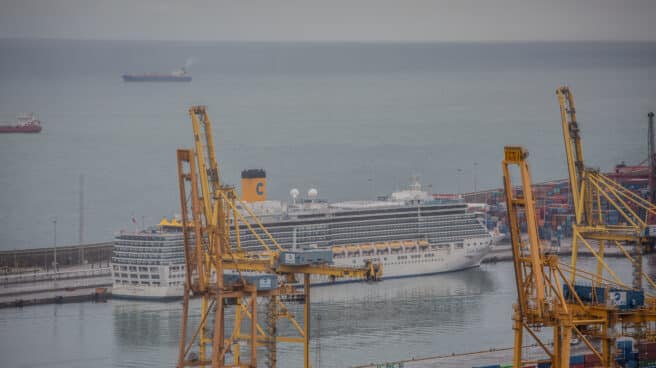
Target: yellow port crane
{"x": 593, "y": 192}
{"x": 547, "y": 298}
{"x": 540, "y": 299}
{"x": 223, "y": 274}
{"x": 594, "y": 305}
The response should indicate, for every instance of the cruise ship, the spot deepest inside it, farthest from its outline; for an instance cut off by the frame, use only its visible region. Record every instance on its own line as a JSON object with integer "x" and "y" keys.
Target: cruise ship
{"x": 408, "y": 232}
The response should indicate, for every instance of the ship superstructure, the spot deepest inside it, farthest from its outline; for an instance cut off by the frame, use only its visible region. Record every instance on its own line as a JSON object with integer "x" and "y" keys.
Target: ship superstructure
{"x": 149, "y": 264}
{"x": 409, "y": 232}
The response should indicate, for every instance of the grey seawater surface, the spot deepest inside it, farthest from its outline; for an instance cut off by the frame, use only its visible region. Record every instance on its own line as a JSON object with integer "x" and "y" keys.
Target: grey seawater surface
{"x": 392, "y": 320}
{"x": 353, "y": 120}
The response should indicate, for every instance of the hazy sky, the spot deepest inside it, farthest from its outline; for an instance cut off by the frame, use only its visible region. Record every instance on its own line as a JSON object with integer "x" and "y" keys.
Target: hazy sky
{"x": 377, "y": 20}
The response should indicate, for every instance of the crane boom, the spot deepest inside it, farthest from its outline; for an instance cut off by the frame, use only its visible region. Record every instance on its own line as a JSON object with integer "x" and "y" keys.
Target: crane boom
{"x": 572, "y": 138}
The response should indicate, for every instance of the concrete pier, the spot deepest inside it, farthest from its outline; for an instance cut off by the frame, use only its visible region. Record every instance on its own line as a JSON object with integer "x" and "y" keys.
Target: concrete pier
{"x": 502, "y": 356}
{"x": 68, "y": 284}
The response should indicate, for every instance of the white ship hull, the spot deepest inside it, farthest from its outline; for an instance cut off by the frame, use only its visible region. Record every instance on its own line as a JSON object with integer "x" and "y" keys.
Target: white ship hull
{"x": 143, "y": 292}
{"x": 417, "y": 262}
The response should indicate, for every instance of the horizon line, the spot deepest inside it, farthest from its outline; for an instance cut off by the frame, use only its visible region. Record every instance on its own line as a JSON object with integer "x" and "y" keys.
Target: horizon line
{"x": 19, "y": 38}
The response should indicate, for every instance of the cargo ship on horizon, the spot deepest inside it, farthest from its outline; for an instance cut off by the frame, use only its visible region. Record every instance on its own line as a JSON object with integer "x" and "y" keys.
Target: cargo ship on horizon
{"x": 179, "y": 75}
{"x": 24, "y": 124}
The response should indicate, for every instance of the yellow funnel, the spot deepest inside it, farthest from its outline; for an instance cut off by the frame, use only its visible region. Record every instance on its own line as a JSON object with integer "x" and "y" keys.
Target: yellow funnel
{"x": 253, "y": 185}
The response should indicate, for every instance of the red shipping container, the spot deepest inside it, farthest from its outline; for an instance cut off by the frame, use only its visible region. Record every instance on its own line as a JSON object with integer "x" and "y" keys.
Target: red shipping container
{"x": 591, "y": 359}
{"x": 646, "y": 346}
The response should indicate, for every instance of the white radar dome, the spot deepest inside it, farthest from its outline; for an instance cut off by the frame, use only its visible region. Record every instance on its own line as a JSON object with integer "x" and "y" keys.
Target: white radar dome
{"x": 312, "y": 193}
{"x": 294, "y": 193}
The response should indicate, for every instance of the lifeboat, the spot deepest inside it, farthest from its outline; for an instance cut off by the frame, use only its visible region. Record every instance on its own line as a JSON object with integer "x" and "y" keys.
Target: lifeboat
{"x": 338, "y": 250}
{"x": 367, "y": 247}
{"x": 395, "y": 245}
{"x": 380, "y": 246}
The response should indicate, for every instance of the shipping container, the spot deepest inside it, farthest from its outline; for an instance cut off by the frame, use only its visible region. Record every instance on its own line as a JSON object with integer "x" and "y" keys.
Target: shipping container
{"x": 591, "y": 359}
{"x": 625, "y": 345}
{"x": 262, "y": 282}
{"x": 544, "y": 364}
{"x": 306, "y": 257}
{"x": 626, "y": 299}
{"x": 587, "y": 293}
{"x": 576, "y": 359}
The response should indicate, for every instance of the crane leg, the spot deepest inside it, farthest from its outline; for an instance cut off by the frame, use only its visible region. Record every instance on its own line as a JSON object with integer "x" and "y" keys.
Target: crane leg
{"x": 306, "y": 321}
{"x": 517, "y": 352}
{"x": 566, "y": 338}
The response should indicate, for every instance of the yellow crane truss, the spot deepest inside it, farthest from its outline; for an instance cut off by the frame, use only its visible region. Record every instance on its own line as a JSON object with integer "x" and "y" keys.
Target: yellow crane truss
{"x": 542, "y": 281}
{"x": 210, "y": 212}
{"x": 592, "y": 192}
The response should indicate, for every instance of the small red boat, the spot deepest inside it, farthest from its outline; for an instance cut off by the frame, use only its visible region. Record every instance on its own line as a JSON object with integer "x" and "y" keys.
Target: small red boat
{"x": 24, "y": 124}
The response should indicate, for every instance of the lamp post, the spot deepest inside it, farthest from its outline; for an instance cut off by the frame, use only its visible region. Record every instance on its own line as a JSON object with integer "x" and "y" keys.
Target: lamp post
{"x": 475, "y": 164}
{"x": 54, "y": 243}
{"x": 459, "y": 170}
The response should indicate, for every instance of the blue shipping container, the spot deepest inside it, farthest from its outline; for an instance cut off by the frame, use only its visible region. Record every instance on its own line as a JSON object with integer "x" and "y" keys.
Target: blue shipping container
{"x": 625, "y": 345}
{"x": 586, "y": 293}
{"x": 577, "y": 359}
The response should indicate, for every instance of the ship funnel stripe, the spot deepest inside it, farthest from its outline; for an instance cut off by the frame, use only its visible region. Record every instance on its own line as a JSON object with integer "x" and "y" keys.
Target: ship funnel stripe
{"x": 253, "y": 174}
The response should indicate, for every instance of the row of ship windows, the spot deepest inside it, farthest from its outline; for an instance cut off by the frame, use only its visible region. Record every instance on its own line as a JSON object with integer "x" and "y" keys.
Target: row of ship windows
{"x": 149, "y": 276}
{"x": 405, "y": 259}
{"x": 361, "y": 238}
{"x": 123, "y": 260}
{"x": 347, "y": 230}
{"x": 152, "y": 237}
{"x": 373, "y": 223}
{"x": 396, "y": 232}
{"x": 172, "y": 250}
{"x": 147, "y": 283}
{"x": 145, "y": 269}
{"x": 134, "y": 268}
{"x": 368, "y": 234}
{"x": 148, "y": 256}
{"x": 380, "y": 252}
{"x": 149, "y": 243}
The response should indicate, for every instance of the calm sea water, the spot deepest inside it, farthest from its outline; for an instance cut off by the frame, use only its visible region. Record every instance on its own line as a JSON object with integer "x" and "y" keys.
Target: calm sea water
{"x": 353, "y": 120}
{"x": 359, "y": 323}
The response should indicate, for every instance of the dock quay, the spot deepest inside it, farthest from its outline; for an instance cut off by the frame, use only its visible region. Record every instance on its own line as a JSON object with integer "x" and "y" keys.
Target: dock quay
{"x": 31, "y": 284}
{"x": 43, "y": 258}
{"x": 493, "y": 356}
{"x": 79, "y": 283}
{"x": 503, "y": 252}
